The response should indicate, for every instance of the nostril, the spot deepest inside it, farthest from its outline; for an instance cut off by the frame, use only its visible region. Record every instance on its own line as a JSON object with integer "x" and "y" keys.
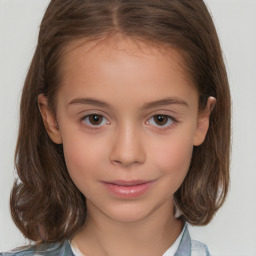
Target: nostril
{"x": 117, "y": 162}
{"x": 125, "y": 163}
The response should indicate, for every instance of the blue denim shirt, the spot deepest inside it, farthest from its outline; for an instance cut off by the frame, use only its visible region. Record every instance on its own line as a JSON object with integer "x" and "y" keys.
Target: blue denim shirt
{"x": 187, "y": 247}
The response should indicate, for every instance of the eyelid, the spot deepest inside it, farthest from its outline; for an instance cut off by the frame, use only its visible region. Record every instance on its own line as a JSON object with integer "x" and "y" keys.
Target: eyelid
{"x": 91, "y": 113}
{"x": 172, "y": 119}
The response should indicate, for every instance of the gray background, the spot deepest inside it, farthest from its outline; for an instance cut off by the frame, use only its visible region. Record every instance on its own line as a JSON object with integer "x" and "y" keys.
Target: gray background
{"x": 232, "y": 232}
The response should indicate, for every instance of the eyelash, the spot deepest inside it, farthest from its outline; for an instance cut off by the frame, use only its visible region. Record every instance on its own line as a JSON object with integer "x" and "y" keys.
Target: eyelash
{"x": 87, "y": 117}
{"x": 168, "y": 124}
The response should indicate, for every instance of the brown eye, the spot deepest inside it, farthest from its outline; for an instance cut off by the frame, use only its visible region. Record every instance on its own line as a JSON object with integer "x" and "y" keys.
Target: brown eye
{"x": 95, "y": 120}
{"x": 161, "y": 121}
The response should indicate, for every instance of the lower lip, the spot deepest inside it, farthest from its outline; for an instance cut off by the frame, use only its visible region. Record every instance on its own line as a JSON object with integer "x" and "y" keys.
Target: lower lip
{"x": 128, "y": 191}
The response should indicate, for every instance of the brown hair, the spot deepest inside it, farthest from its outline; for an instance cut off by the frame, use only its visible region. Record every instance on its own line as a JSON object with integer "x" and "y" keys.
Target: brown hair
{"x": 45, "y": 204}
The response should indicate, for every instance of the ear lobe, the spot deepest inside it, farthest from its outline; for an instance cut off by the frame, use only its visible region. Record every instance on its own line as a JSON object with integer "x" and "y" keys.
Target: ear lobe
{"x": 203, "y": 122}
{"x": 49, "y": 119}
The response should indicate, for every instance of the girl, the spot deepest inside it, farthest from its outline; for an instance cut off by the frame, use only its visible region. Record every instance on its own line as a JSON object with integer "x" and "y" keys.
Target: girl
{"x": 124, "y": 132}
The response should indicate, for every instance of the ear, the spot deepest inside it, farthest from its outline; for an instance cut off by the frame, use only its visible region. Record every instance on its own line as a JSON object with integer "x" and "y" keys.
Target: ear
{"x": 49, "y": 119}
{"x": 203, "y": 122}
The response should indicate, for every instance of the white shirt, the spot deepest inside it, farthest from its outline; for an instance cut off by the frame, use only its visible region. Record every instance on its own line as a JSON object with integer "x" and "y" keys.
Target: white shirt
{"x": 173, "y": 249}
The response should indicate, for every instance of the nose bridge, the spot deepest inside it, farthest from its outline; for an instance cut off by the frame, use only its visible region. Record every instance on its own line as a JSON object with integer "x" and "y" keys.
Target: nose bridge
{"x": 127, "y": 148}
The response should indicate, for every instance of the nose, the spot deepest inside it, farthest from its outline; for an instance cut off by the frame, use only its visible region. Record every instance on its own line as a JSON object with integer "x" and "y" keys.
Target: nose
{"x": 127, "y": 147}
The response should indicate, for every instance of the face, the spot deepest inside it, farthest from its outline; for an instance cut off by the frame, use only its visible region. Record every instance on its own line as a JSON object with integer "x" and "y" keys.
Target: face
{"x": 128, "y": 119}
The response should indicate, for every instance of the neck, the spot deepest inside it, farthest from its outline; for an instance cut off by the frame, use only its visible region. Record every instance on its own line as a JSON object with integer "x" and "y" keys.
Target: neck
{"x": 152, "y": 235}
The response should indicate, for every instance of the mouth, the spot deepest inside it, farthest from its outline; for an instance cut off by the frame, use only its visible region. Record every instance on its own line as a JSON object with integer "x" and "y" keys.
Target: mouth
{"x": 128, "y": 189}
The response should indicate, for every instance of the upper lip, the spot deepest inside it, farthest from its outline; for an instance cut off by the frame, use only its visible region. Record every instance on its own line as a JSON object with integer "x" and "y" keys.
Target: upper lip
{"x": 128, "y": 182}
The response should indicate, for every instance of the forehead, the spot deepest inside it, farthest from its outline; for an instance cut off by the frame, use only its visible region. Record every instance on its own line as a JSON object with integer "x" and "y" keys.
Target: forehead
{"x": 125, "y": 67}
{"x": 104, "y": 47}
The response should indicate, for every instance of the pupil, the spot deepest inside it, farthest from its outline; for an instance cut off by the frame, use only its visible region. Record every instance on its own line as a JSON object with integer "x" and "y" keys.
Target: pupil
{"x": 161, "y": 120}
{"x": 95, "y": 119}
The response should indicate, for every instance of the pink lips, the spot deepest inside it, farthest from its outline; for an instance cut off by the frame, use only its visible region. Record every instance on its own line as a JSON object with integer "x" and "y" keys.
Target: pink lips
{"x": 128, "y": 189}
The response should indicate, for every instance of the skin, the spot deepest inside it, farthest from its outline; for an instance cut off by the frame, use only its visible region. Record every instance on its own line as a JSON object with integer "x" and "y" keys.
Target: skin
{"x": 128, "y": 142}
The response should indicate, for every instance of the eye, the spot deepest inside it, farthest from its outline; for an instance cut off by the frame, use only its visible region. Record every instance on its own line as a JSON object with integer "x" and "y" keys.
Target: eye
{"x": 161, "y": 120}
{"x": 95, "y": 120}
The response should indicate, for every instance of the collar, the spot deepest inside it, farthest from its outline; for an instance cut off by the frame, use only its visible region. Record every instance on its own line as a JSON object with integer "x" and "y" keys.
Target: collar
{"x": 185, "y": 244}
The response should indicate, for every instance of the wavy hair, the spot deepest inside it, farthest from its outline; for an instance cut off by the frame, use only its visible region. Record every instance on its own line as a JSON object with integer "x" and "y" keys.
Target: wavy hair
{"x": 45, "y": 204}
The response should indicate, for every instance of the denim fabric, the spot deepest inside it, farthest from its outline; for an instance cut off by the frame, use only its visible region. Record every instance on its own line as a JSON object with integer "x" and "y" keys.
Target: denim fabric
{"x": 56, "y": 249}
{"x": 187, "y": 247}
{"x": 190, "y": 247}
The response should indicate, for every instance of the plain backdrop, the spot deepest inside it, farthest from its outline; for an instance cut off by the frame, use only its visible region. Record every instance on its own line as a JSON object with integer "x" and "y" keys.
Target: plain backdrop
{"x": 232, "y": 232}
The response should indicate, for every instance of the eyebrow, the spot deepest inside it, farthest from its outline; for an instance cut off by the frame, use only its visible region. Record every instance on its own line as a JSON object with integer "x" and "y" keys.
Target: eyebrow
{"x": 165, "y": 102}
{"x": 89, "y": 101}
{"x": 158, "y": 103}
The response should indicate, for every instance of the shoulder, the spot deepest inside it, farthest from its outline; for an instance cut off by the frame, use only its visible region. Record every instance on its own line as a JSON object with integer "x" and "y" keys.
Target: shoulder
{"x": 199, "y": 249}
{"x": 53, "y": 249}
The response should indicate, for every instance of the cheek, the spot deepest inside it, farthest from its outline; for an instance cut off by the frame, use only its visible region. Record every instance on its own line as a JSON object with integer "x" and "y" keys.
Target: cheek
{"x": 82, "y": 158}
{"x": 173, "y": 159}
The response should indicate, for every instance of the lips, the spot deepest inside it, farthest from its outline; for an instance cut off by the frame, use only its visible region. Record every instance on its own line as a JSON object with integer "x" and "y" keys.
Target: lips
{"x": 128, "y": 189}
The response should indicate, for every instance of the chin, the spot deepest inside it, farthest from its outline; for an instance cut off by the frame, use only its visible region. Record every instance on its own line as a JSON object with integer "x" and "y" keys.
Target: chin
{"x": 129, "y": 212}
